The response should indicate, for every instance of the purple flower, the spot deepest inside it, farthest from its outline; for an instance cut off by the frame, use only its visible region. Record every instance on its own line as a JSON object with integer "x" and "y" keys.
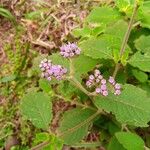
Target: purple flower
{"x": 117, "y": 92}
{"x": 103, "y": 81}
{"x": 111, "y": 80}
{"x": 50, "y": 71}
{"x": 105, "y": 93}
{"x": 69, "y": 50}
{"x": 91, "y": 77}
{"x": 117, "y": 86}
{"x": 103, "y": 87}
{"x": 98, "y": 90}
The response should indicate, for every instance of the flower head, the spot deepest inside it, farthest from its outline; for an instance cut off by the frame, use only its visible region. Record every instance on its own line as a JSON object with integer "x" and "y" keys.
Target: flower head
{"x": 69, "y": 50}
{"x": 50, "y": 71}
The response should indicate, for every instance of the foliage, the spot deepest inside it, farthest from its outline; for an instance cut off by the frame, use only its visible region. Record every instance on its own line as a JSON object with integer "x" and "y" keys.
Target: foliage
{"x": 114, "y": 40}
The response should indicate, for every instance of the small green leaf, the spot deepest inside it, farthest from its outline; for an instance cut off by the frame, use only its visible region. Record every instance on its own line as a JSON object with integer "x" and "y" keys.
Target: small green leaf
{"x": 143, "y": 43}
{"x": 33, "y": 15}
{"x": 115, "y": 145}
{"x": 130, "y": 141}
{"x": 144, "y": 15}
{"x": 37, "y": 108}
{"x": 81, "y": 67}
{"x": 130, "y": 107}
{"x": 139, "y": 75}
{"x": 7, "y": 14}
{"x": 74, "y": 125}
{"x": 58, "y": 59}
{"x": 44, "y": 85}
{"x": 125, "y": 6}
{"x": 8, "y": 78}
{"x": 141, "y": 61}
{"x": 83, "y": 32}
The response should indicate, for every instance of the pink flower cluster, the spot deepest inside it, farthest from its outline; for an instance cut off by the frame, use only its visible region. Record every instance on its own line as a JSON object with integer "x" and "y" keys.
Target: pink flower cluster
{"x": 100, "y": 84}
{"x": 69, "y": 50}
{"x": 49, "y": 70}
{"x": 117, "y": 86}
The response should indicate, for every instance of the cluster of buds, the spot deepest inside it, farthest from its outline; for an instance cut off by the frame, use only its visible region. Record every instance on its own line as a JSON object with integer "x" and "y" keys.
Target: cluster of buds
{"x": 99, "y": 82}
{"x": 117, "y": 87}
{"x": 49, "y": 70}
{"x": 69, "y": 50}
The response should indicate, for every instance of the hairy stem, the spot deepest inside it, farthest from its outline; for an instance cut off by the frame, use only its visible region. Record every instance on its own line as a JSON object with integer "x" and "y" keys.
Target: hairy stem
{"x": 40, "y": 146}
{"x": 79, "y": 86}
{"x": 126, "y": 37}
{"x": 76, "y": 103}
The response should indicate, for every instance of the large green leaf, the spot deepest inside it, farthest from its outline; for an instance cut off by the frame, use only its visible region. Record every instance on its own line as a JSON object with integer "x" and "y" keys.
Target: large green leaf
{"x": 103, "y": 15}
{"x": 130, "y": 141}
{"x": 74, "y": 125}
{"x": 141, "y": 61}
{"x": 131, "y": 107}
{"x": 37, "y": 108}
{"x": 143, "y": 43}
{"x": 97, "y": 48}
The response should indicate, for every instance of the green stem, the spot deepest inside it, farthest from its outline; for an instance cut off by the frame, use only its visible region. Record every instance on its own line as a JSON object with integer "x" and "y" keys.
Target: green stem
{"x": 75, "y": 103}
{"x": 126, "y": 37}
{"x": 79, "y": 86}
{"x": 40, "y": 146}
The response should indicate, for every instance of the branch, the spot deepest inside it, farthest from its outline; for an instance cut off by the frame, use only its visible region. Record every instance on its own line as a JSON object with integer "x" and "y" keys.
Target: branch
{"x": 126, "y": 37}
{"x": 40, "y": 146}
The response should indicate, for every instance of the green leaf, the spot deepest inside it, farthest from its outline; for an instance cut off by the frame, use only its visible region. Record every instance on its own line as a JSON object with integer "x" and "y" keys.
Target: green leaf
{"x": 143, "y": 43}
{"x": 58, "y": 59}
{"x": 82, "y": 32}
{"x": 141, "y": 61}
{"x": 33, "y": 15}
{"x": 120, "y": 26}
{"x": 97, "y": 48}
{"x": 7, "y": 14}
{"x": 37, "y": 108}
{"x": 116, "y": 38}
{"x": 144, "y": 14}
{"x": 115, "y": 145}
{"x": 8, "y": 78}
{"x": 130, "y": 107}
{"x": 139, "y": 75}
{"x": 67, "y": 90}
{"x": 74, "y": 125}
{"x": 44, "y": 85}
{"x": 125, "y": 5}
{"x": 130, "y": 141}
{"x": 81, "y": 67}
{"x": 103, "y": 15}
{"x": 41, "y": 137}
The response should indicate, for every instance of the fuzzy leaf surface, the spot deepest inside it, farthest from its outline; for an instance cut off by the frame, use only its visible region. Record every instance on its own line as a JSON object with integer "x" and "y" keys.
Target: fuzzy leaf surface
{"x": 130, "y": 141}
{"x": 141, "y": 61}
{"x": 37, "y": 108}
{"x": 74, "y": 125}
{"x": 130, "y": 107}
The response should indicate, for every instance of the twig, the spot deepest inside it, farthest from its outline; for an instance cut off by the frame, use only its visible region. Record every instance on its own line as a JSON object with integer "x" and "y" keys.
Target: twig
{"x": 126, "y": 37}
{"x": 40, "y": 146}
